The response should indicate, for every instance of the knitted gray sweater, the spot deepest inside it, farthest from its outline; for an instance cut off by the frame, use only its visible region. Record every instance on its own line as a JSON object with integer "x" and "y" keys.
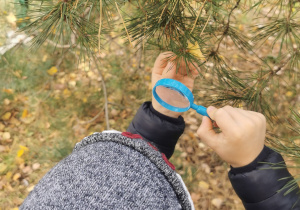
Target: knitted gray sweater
{"x": 111, "y": 171}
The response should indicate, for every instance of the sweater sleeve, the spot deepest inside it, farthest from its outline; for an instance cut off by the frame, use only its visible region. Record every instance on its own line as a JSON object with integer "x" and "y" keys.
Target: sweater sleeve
{"x": 260, "y": 184}
{"x": 160, "y": 130}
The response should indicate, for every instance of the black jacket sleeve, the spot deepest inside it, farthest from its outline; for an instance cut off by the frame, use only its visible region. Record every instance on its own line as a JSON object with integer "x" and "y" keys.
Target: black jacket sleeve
{"x": 259, "y": 185}
{"x": 160, "y": 130}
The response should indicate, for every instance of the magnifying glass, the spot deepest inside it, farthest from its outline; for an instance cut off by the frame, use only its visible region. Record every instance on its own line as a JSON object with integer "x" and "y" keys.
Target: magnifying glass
{"x": 175, "y": 96}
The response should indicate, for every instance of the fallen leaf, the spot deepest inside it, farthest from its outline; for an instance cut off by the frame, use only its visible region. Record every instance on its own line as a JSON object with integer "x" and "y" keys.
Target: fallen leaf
{"x": 8, "y": 175}
{"x": 6, "y": 135}
{"x": 72, "y": 84}
{"x": 203, "y": 185}
{"x": 29, "y": 189}
{"x": 9, "y": 91}
{"x": 21, "y": 150}
{"x": 189, "y": 149}
{"x": 16, "y": 176}
{"x": 67, "y": 93}
{"x": 217, "y": 202}
{"x": 24, "y": 113}
{"x": 6, "y": 116}
{"x": 1, "y": 127}
{"x": 195, "y": 197}
{"x": 114, "y": 112}
{"x": 289, "y": 94}
{"x": 6, "y": 101}
{"x": 27, "y": 170}
{"x": 205, "y": 167}
{"x": 52, "y": 70}
{"x": 36, "y": 166}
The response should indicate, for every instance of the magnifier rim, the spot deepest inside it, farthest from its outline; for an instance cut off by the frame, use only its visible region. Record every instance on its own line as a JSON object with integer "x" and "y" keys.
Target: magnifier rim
{"x": 177, "y": 86}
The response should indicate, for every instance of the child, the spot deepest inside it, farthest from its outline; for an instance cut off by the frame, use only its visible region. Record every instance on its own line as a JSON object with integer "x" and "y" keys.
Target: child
{"x": 130, "y": 170}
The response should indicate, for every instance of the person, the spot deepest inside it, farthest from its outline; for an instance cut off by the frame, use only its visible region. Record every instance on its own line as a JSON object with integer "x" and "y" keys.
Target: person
{"x": 131, "y": 170}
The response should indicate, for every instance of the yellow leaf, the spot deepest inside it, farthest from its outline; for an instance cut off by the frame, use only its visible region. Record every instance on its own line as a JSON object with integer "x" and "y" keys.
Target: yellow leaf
{"x": 52, "y": 70}
{"x": 203, "y": 185}
{"x": 66, "y": 92}
{"x": 23, "y": 147}
{"x": 8, "y": 175}
{"x": 6, "y": 116}
{"x": 9, "y": 91}
{"x": 20, "y": 152}
{"x": 24, "y": 113}
{"x": 84, "y": 100}
{"x": 289, "y": 94}
{"x": 195, "y": 50}
{"x": 16, "y": 176}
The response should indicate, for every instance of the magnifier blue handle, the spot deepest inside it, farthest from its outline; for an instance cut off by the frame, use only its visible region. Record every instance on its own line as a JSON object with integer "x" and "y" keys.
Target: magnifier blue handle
{"x": 200, "y": 109}
{"x": 183, "y": 90}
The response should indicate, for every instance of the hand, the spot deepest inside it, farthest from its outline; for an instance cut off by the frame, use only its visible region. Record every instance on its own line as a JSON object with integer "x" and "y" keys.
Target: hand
{"x": 165, "y": 67}
{"x": 242, "y": 137}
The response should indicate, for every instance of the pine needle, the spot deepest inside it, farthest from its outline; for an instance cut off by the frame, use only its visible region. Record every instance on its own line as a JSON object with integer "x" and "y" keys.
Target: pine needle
{"x": 198, "y": 17}
{"x": 100, "y": 26}
{"x": 205, "y": 24}
{"x": 162, "y": 13}
{"x": 123, "y": 23}
{"x": 174, "y": 8}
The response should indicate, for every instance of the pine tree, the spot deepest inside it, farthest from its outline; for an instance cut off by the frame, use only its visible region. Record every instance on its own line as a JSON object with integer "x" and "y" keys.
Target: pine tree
{"x": 196, "y": 31}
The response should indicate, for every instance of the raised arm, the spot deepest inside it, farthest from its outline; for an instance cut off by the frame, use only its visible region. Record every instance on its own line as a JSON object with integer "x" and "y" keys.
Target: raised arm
{"x": 155, "y": 123}
{"x": 241, "y": 144}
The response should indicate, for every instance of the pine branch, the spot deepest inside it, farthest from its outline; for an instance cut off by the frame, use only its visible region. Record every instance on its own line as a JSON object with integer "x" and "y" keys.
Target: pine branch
{"x": 227, "y": 25}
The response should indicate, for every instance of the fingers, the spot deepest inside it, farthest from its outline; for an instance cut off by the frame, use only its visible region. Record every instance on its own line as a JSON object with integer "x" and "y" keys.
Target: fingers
{"x": 194, "y": 69}
{"x": 222, "y": 117}
{"x": 207, "y": 134}
{"x": 184, "y": 68}
{"x": 230, "y": 119}
{"x": 170, "y": 70}
{"x": 162, "y": 61}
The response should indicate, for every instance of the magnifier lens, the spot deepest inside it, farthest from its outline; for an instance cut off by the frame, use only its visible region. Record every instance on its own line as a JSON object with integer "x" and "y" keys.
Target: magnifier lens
{"x": 172, "y": 97}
